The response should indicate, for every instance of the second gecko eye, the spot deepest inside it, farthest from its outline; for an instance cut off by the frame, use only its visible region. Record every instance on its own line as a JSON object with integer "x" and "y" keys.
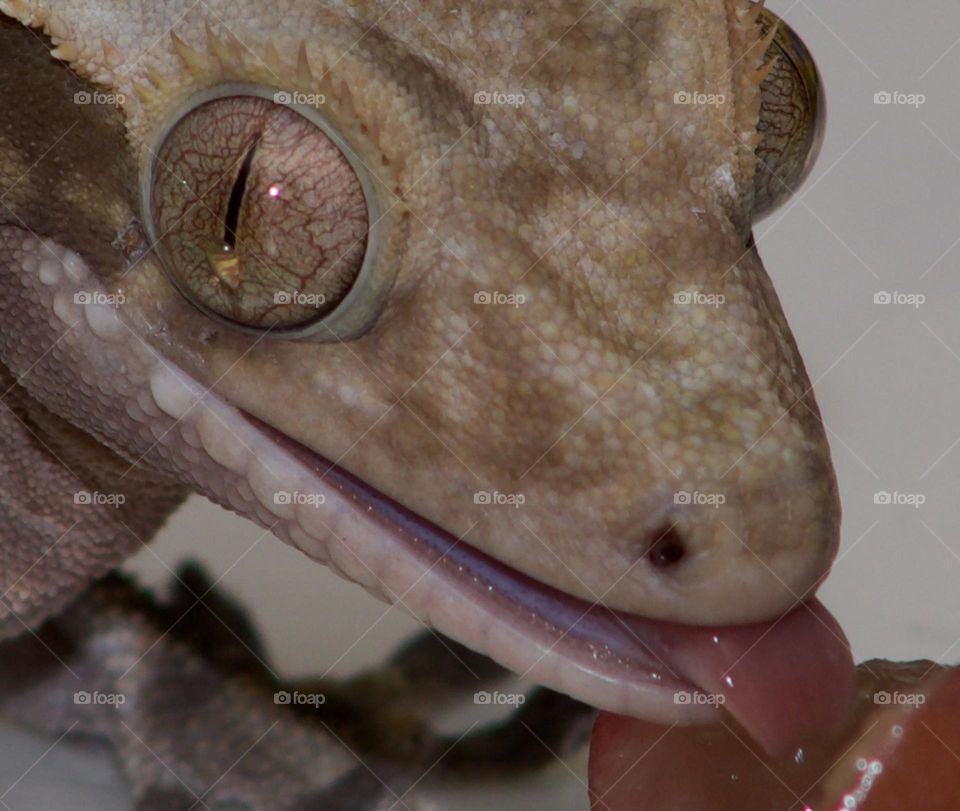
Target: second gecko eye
{"x": 792, "y": 119}
{"x": 260, "y": 216}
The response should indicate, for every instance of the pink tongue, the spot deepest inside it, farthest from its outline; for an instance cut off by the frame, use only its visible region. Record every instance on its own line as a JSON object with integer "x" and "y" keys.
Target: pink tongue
{"x": 785, "y": 681}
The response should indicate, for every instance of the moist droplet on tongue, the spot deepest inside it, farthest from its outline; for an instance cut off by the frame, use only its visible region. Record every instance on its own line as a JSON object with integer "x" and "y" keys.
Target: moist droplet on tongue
{"x": 785, "y": 681}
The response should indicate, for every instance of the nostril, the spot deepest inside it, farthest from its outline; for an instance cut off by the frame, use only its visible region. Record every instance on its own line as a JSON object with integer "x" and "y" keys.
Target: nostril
{"x": 668, "y": 547}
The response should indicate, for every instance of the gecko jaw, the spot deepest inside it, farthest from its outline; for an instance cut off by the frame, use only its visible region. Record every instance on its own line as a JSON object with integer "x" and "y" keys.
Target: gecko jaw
{"x": 649, "y": 668}
{"x": 553, "y": 638}
{"x": 783, "y": 680}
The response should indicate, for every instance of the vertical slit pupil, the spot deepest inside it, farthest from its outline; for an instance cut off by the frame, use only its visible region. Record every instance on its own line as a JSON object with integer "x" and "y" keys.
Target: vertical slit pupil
{"x": 236, "y": 195}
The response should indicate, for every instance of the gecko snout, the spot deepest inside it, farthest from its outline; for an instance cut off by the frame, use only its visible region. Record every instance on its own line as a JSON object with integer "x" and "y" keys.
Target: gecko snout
{"x": 745, "y": 556}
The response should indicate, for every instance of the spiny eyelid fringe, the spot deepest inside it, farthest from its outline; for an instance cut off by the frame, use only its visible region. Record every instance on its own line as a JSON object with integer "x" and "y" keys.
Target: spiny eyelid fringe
{"x": 224, "y": 59}
{"x": 757, "y": 42}
{"x": 53, "y": 26}
{"x": 228, "y": 59}
{"x": 749, "y": 12}
{"x": 762, "y": 49}
{"x": 98, "y": 67}
{"x": 748, "y": 38}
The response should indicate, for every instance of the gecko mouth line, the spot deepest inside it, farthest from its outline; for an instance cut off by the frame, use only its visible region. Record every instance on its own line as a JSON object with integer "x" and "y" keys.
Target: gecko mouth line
{"x": 784, "y": 681}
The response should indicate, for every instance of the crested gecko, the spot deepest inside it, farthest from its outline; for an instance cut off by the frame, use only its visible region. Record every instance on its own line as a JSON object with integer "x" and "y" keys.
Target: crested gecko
{"x": 460, "y": 302}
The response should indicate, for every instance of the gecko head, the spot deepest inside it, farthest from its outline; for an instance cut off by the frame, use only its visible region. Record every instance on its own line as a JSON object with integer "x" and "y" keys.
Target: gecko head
{"x": 472, "y": 321}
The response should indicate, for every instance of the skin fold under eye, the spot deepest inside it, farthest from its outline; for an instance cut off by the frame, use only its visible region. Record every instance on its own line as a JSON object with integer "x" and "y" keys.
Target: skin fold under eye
{"x": 257, "y": 214}
{"x": 792, "y": 119}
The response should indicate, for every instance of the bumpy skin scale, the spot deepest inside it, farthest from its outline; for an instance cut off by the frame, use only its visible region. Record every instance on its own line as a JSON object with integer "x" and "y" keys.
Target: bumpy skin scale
{"x": 600, "y": 200}
{"x": 537, "y": 200}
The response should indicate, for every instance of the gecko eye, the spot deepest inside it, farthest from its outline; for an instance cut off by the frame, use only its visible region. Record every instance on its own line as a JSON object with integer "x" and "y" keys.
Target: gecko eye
{"x": 792, "y": 118}
{"x": 261, "y": 216}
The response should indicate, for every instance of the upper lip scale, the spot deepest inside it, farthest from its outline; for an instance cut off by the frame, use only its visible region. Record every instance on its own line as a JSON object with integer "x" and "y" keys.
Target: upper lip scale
{"x": 753, "y": 666}
{"x": 608, "y": 633}
{"x": 601, "y": 656}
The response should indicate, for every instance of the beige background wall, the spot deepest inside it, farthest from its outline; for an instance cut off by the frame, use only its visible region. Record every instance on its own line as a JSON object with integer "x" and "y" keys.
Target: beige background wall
{"x": 881, "y": 213}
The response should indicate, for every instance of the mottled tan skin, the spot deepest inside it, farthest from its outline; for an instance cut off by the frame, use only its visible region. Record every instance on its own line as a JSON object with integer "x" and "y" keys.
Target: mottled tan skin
{"x": 599, "y": 200}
